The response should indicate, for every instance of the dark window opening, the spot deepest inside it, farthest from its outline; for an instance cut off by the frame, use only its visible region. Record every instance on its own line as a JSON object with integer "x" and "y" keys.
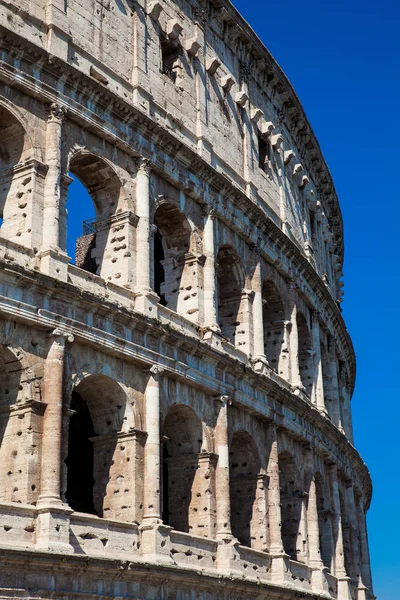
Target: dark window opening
{"x": 170, "y": 52}
{"x": 263, "y": 152}
{"x": 80, "y": 479}
{"x": 312, "y": 224}
{"x": 159, "y": 271}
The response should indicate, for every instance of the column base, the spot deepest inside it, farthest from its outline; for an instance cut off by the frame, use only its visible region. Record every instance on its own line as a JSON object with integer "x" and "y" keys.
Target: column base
{"x": 280, "y": 572}
{"x": 261, "y": 365}
{"x": 319, "y": 582}
{"x": 344, "y": 588}
{"x": 361, "y": 592}
{"x": 213, "y": 338}
{"x": 147, "y": 302}
{"x": 54, "y": 263}
{"x": 228, "y": 556}
{"x": 52, "y": 533}
{"x": 156, "y": 542}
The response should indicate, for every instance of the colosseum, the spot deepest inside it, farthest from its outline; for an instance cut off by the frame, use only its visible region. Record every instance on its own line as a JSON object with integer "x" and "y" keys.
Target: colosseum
{"x": 175, "y": 417}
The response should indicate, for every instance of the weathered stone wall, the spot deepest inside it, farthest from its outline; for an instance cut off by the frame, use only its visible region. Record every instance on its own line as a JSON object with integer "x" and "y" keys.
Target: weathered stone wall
{"x": 181, "y": 403}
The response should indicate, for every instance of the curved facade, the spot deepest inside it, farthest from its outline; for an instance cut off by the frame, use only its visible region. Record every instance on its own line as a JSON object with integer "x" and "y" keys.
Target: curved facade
{"x": 175, "y": 399}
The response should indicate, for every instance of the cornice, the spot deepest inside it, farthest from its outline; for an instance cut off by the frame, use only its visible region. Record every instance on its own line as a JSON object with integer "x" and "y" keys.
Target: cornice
{"x": 127, "y": 114}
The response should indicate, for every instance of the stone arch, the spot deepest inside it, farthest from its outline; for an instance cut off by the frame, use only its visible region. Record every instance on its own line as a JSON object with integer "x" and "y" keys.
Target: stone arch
{"x": 274, "y": 325}
{"x": 105, "y": 188}
{"x": 305, "y": 354}
{"x": 324, "y": 520}
{"x": 101, "y": 445}
{"x": 16, "y": 171}
{"x": 187, "y": 498}
{"x": 248, "y": 502}
{"x": 173, "y": 258}
{"x": 233, "y": 305}
{"x": 292, "y": 493}
{"x": 20, "y": 427}
{"x": 347, "y": 547}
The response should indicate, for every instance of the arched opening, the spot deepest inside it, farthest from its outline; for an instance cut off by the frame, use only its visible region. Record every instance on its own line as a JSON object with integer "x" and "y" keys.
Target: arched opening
{"x": 81, "y": 226}
{"x": 99, "y": 182}
{"x": 274, "y": 325}
{"x": 184, "y": 500}
{"x": 20, "y": 430}
{"x": 247, "y": 520}
{"x": 324, "y": 521}
{"x": 347, "y": 548}
{"x": 172, "y": 278}
{"x": 232, "y": 317}
{"x": 292, "y": 493}
{"x": 97, "y": 469}
{"x": 305, "y": 354}
{"x": 15, "y": 184}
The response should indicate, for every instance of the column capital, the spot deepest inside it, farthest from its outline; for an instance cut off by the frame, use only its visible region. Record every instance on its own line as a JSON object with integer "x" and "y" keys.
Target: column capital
{"x": 315, "y": 315}
{"x": 156, "y": 371}
{"x": 61, "y": 335}
{"x": 143, "y": 165}
{"x": 57, "y": 113}
{"x": 208, "y": 210}
{"x": 225, "y": 399}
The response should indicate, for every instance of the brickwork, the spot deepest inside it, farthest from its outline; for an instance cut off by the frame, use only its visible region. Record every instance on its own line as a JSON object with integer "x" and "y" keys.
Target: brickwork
{"x": 177, "y": 401}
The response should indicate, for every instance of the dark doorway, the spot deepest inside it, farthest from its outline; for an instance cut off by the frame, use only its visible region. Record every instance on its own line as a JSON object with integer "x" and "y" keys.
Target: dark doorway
{"x": 79, "y": 461}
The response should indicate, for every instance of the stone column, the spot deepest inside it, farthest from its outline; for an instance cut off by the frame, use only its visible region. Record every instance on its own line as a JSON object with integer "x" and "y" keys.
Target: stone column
{"x": 344, "y": 591}
{"x": 53, "y": 381}
{"x": 258, "y": 322}
{"x": 53, "y": 523}
{"x": 295, "y": 378}
{"x": 279, "y": 558}
{"x": 143, "y": 258}
{"x": 53, "y": 260}
{"x": 152, "y": 450}
{"x": 227, "y": 553}
{"x": 222, "y": 472}
{"x": 209, "y": 272}
{"x": 318, "y": 387}
{"x": 155, "y": 540}
{"x": 319, "y": 582}
{"x": 365, "y": 566}
{"x": 52, "y": 190}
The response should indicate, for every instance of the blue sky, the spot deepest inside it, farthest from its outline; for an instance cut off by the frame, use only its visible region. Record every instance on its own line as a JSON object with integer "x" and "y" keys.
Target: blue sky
{"x": 343, "y": 60}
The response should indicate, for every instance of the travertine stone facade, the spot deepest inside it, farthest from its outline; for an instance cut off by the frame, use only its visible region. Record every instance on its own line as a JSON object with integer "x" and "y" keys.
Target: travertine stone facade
{"x": 175, "y": 400}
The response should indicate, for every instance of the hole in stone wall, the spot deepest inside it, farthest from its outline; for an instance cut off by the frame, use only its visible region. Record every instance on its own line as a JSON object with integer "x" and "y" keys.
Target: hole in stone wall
{"x": 264, "y": 150}
{"x": 170, "y": 52}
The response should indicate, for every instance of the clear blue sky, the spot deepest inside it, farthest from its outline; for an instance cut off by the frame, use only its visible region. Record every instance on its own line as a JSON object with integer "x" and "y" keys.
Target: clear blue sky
{"x": 343, "y": 60}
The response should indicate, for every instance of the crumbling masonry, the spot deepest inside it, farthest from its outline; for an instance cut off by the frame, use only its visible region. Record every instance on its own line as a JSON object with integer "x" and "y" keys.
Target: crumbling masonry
{"x": 175, "y": 401}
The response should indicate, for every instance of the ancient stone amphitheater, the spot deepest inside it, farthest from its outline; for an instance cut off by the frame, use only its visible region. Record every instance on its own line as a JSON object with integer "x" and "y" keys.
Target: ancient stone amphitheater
{"x": 175, "y": 414}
